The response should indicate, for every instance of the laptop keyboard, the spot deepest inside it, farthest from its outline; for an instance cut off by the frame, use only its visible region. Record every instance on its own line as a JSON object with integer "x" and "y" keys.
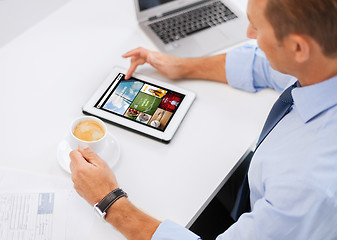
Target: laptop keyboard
{"x": 193, "y": 21}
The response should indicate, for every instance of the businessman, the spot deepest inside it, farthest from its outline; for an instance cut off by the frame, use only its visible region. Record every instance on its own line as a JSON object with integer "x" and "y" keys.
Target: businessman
{"x": 292, "y": 178}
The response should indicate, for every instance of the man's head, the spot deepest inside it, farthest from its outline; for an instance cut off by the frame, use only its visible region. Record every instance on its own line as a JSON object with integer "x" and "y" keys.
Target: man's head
{"x": 314, "y": 18}
{"x": 296, "y": 35}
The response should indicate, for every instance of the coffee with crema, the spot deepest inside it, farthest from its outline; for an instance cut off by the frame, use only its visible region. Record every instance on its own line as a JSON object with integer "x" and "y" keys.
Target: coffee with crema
{"x": 89, "y": 130}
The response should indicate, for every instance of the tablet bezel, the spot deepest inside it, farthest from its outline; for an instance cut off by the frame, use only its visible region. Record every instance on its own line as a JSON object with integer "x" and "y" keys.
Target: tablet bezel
{"x": 171, "y": 128}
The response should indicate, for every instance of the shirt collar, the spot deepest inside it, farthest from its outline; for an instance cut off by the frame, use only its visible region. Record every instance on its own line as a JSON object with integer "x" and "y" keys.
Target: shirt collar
{"x": 314, "y": 99}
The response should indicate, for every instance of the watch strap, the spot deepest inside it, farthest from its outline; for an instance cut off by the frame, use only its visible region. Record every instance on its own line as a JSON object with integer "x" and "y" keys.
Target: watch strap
{"x": 109, "y": 199}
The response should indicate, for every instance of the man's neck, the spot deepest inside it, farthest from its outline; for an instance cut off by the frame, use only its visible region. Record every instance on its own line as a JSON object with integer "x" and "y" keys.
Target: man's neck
{"x": 317, "y": 71}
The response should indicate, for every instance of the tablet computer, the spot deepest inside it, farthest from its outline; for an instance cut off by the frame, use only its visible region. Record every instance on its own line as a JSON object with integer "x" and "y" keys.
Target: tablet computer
{"x": 142, "y": 104}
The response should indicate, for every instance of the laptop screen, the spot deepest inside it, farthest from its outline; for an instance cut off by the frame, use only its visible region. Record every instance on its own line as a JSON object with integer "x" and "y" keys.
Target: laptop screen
{"x": 147, "y": 4}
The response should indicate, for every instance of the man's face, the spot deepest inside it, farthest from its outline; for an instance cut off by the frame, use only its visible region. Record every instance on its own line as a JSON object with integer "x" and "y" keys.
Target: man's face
{"x": 261, "y": 30}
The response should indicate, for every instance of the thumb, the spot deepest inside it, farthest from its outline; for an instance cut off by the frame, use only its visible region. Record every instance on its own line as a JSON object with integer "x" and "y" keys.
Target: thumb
{"x": 76, "y": 160}
{"x": 89, "y": 154}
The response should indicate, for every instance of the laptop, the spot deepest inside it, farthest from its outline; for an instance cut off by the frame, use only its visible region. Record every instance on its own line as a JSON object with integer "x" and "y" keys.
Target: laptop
{"x": 214, "y": 216}
{"x": 192, "y": 28}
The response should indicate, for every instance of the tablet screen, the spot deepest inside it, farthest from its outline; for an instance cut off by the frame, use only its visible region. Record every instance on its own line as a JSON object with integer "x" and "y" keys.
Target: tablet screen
{"x": 139, "y": 101}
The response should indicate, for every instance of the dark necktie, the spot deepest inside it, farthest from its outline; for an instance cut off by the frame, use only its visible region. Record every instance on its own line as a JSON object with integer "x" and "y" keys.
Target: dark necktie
{"x": 281, "y": 108}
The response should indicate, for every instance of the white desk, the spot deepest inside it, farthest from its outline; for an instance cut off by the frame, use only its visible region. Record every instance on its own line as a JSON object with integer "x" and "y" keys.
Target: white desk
{"x": 16, "y": 16}
{"x": 50, "y": 71}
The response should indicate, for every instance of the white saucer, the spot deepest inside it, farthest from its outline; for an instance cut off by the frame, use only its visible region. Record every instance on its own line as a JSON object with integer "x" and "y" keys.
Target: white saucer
{"x": 110, "y": 154}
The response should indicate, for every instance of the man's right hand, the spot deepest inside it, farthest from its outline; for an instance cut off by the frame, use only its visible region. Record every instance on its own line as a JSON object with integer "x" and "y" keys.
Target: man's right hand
{"x": 209, "y": 68}
{"x": 169, "y": 66}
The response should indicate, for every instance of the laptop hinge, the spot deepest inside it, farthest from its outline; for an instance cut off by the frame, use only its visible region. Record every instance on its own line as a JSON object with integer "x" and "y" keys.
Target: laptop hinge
{"x": 178, "y": 10}
{"x": 155, "y": 17}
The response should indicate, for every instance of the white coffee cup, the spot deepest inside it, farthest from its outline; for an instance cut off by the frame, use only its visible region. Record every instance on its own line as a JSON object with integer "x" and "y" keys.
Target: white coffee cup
{"x": 96, "y": 145}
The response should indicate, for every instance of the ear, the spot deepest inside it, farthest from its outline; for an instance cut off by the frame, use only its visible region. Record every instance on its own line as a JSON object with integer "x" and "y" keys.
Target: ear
{"x": 300, "y": 47}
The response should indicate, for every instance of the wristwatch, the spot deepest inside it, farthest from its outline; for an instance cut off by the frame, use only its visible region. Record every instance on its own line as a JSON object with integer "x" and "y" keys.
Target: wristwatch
{"x": 102, "y": 206}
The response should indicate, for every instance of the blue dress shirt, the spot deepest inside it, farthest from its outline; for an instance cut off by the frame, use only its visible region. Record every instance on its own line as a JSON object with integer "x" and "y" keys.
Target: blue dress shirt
{"x": 293, "y": 174}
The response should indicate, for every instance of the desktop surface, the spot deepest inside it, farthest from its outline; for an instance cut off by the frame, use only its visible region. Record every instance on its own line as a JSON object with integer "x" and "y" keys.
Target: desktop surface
{"x": 51, "y": 70}
{"x": 17, "y": 16}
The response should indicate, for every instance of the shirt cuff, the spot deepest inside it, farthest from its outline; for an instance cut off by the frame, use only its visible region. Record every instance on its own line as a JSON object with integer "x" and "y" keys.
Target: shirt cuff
{"x": 169, "y": 230}
{"x": 239, "y": 67}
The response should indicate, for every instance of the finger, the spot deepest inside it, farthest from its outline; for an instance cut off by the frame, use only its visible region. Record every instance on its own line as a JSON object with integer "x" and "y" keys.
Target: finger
{"x": 132, "y": 69}
{"x": 89, "y": 155}
{"x": 135, "y": 62}
{"x": 76, "y": 159}
{"x": 139, "y": 56}
{"x": 133, "y": 52}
